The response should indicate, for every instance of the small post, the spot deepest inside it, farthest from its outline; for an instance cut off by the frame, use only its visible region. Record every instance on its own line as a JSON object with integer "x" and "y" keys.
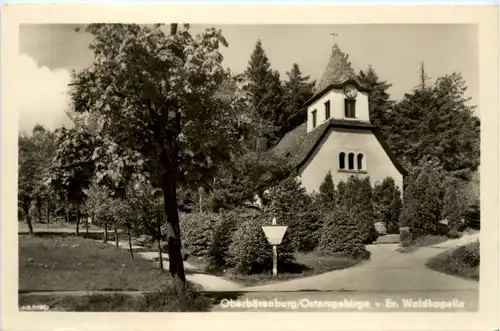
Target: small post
{"x": 275, "y": 260}
{"x": 275, "y": 253}
{"x": 274, "y": 235}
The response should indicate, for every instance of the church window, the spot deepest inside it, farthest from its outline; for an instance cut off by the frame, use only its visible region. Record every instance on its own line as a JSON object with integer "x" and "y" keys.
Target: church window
{"x": 360, "y": 161}
{"x": 327, "y": 110}
{"x": 313, "y": 114}
{"x": 342, "y": 160}
{"x": 351, "y": 161}
{"x": 350, "y": 108}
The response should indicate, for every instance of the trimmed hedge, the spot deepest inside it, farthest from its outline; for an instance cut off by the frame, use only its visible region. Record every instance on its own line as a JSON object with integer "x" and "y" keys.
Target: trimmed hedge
{"x": 340, "y": 236}
{"x": 250, "y": 251}
{"x": 197, "y": 232}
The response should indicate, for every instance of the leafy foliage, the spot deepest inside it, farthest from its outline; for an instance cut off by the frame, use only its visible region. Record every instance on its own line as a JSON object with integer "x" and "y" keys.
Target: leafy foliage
{"x": 379, "y": 103}
{"x": 35, "y": 157}
{"x": 455, "y": 204}
{"x": 327, "y": 192}
{"x": 265, "y": 89}
{"x": 436, "y": 121}
{"x": 249, "y": 176}
{"x": 387, "y": 204}
{"x": 297, "y": 90}
{"x": 356, "y": 196}
{"x": 156, "y": 95}
{"x": 218, "y": 253}
{"x": 197, "y": 234}
{"x": 304, "y": 229}
{"x": 250, "y": 251}
{"x": 289, "y": 196}
{"x": 422, "y": 200}
{"x": 340, "y": 235}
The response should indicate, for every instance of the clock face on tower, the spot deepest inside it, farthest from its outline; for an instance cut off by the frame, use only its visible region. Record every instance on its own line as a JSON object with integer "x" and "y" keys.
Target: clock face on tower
{"x": 350, "y": 91}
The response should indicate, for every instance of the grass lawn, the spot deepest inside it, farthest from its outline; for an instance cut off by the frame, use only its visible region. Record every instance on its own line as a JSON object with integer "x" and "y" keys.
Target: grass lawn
{"x": 305, "y": 265}
{"x": 166, "y": 301}
{"x": 50, "y": 263}
{"x": 462, "y": 261}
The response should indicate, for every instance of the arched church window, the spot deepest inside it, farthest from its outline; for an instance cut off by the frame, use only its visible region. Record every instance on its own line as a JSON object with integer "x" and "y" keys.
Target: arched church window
{"x": 360, "y": 161}
{"x": 351, "y": 161}
{"x": 342, "y": 160}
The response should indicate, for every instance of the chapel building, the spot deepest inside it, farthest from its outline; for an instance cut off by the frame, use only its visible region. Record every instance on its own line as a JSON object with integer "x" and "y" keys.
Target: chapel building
{"x": 338, "y": 136}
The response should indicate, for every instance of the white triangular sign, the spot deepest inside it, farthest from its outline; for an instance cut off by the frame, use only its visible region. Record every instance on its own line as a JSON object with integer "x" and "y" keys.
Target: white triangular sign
{"x": 274, "y": 233}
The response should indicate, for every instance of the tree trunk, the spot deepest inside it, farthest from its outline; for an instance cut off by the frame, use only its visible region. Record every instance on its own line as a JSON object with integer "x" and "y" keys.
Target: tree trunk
{"x": 173, "y": 229}
{"x": 66, "y": 209}
{"x": 28, "y": 217}
{"x": 105, "y": 232}
{"x": 39, "y": 209}
{"x": 87, "y": 224}
{"x": 160, "y": 255}
{"x": 48, "y": 213}
{"x": 116, "y": 237}
{"x": 77, "y": 221}
{"x": 130, "y": 243}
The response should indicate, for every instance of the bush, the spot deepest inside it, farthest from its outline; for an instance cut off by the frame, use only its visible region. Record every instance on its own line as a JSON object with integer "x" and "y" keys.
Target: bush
{"x": 250, "y": 251}
{"x": 357, "y": 198}
{"x": 197, "y": 232}
{"x": 327, "y": 191}
{"x": 289, "y": 196}
{"x": 423, "y": 199}
{"x": 405, "y": 237}
{"x": 218, "y": 253}
{"x": 453, "y": 234}
{"x": 340, "y": 236}
{"x": 304, "y": 229}
{"x": 387, "y": 204}
{"x": 454, "y": 203}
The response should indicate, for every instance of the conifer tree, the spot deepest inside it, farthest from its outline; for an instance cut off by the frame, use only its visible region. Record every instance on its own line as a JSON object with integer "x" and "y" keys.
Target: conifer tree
{"x": 297, "y": 90}
{"x": 379, "y": 99}
{"x": 340, "y": 235}
{"x": 437, "y": 121}
{"x": 327, "y": 191}
{"x": 265, "y": 88}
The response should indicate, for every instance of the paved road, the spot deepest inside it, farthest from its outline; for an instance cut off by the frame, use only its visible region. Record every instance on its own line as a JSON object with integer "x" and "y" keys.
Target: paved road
{"x": 387, "y": 275}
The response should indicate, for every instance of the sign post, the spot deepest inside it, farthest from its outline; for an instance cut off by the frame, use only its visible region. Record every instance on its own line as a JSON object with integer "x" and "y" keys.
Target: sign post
{"x": 274, "y": 234}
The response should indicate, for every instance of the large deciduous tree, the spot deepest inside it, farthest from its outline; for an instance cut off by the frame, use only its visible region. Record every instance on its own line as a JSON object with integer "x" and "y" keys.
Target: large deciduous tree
{"x": 156, "y": 94}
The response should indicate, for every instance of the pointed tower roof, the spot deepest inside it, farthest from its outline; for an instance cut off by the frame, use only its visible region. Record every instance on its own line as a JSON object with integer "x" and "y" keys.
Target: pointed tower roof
{"x": 337, "y": 71}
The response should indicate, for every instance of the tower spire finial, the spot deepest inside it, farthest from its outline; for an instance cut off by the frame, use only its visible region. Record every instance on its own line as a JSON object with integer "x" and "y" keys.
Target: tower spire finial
{"x": 334, "y": 38}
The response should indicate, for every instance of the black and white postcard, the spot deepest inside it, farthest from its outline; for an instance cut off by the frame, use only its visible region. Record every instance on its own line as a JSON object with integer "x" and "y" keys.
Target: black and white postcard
{"x": 257, "y": 167}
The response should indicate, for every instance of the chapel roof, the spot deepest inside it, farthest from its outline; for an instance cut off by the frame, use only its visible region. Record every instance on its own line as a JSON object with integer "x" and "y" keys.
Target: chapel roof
{"x": 337, "y": 71}
{"x": 298, "y": 145}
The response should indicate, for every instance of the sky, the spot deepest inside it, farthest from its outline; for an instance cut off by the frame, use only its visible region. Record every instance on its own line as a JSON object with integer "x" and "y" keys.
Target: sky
{"x": 48, "y": 53}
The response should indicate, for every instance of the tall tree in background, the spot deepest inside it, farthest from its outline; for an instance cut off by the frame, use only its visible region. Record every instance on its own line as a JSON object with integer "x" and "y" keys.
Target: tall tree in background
{"x": 437, "y": 121}
{"x": 156, "y": 93}
{"x": 35, "y": 157}
{"x": 379, "y": 100}
{"x": 265, "y": 87}
{"x": 297, "y": 90}
{"x": 73, "y": 167}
